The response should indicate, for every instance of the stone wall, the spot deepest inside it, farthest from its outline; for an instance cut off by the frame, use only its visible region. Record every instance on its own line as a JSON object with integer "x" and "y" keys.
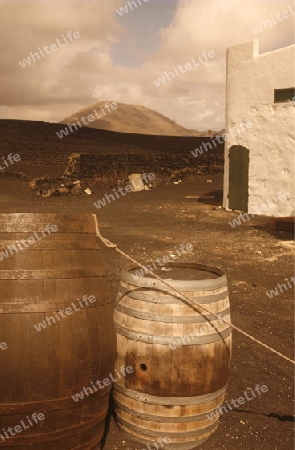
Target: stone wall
{"x": 85, "y": 165}
{"x": 39, "y": 145}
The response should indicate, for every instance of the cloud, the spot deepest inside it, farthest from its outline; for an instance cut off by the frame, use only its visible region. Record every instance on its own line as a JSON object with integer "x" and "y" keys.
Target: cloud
{"x": 211, "y": 25}
{"x": 66, "y": 76}
{"x": 71, "y": 78}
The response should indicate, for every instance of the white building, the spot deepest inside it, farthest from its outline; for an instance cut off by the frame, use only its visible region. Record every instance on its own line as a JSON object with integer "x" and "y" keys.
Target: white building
{"x": 260, "y": 157}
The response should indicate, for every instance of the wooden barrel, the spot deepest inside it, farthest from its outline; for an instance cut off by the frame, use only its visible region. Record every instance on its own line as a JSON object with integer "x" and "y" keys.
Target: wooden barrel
{"x": 180, "y": 358}
{"x": 51, "y": 273}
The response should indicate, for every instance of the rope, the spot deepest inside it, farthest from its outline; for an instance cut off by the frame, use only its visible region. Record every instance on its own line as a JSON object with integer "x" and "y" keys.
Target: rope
{"x": 183, "y": 297}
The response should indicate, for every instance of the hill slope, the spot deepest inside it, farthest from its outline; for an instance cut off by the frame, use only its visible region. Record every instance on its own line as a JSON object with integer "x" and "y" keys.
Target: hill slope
{"x": 130, "y": 119}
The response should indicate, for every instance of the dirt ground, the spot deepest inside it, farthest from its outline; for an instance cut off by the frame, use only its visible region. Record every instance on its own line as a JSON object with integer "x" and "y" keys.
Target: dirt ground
{"x": 147, "y": 225}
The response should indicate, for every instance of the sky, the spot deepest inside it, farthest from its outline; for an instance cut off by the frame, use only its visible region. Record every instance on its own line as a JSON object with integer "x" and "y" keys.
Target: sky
{"x": 117, "y": 57}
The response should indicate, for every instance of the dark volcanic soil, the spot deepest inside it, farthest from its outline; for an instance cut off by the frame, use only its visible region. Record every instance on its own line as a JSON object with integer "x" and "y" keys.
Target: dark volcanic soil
{"x": 147, "y": 225}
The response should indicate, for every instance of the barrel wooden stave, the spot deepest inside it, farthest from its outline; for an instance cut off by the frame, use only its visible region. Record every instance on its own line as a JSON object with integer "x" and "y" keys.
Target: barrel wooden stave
{"x": 44, "y": 369}
{"x": 152, "y": 401}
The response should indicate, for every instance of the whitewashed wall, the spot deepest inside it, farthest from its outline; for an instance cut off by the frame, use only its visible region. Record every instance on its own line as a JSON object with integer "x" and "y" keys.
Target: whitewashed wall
{"x": 251, "y": 80}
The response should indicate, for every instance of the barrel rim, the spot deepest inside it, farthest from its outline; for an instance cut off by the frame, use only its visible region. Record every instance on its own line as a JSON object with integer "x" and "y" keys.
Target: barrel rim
{"x": 40, "y": 216}
{"x": 36, "y": 222}
{"x": 183, "y": 285}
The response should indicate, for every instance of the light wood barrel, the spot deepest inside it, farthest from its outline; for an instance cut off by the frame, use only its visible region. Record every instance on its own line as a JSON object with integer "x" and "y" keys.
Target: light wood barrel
{"x": 180, "y": 358}
{"x": 41, "y": 370}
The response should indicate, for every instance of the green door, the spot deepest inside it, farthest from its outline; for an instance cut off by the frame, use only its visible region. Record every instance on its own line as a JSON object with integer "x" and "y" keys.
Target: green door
{"x": 238, "y": 178}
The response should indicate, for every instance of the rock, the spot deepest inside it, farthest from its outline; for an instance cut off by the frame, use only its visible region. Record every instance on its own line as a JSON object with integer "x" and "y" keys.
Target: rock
{"x": 7, "y": 174}
{"x": 46, "y": 187}
{"x": 290, "y": 245}
{"x": 76, "y": 190}
{"x": 32, "y": 185}
{"x": 68, "y": 183}
{"x": 63, "y": 190}
{"x": 48, "y": 193}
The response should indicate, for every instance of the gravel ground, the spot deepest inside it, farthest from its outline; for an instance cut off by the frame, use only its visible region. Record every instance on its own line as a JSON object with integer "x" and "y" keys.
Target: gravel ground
{"x": 147, "y": 225}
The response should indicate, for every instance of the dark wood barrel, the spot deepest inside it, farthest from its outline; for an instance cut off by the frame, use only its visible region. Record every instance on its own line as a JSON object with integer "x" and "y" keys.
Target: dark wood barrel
{"x": 180, "y": 358}
{"x": 51, "y": 273}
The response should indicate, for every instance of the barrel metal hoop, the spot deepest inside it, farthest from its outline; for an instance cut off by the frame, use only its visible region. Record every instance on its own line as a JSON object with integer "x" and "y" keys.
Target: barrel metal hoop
{"x": 56, "y": 435}
{"x": 178, "y": 434}
{"x": 169, "y": 401}
{"x": 200, "y": 318}
{"x": 47, "y": 245}
{"x": 188, "y": 444}
{"x": 141, "y": 295}
{"x": 10, "y": 409}
{"x": 181, "y": 285}
{"x": 167, "y": 340}
{"x": 48, "y": 274}
{"x": 50, "y": 307}
{"x": 31, "y": 222}
{"x": 94, "y": 443}
{"x": 45, "y": 218}
{"x": 162, "y": 419}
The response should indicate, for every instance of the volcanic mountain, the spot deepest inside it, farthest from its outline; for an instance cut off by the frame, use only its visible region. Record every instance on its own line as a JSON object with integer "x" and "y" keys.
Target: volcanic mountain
{"x": 129, "y": 119}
